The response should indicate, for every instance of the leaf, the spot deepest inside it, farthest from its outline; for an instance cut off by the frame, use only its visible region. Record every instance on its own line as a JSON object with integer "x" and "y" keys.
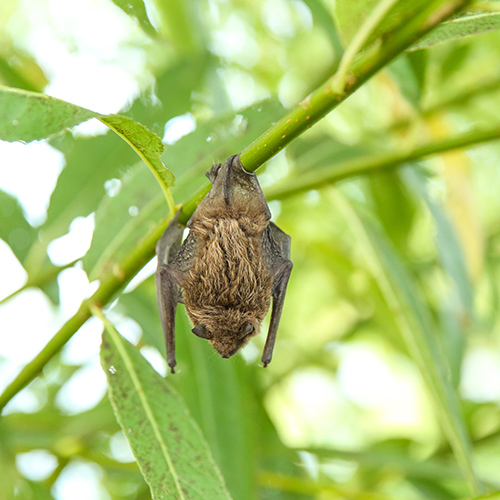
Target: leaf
{"x": 168, "y": 445}
{"x": 394, "y": 205}
{"x": 122, "y": 220}
{"x": 417, "y": 330}
{"x": 90, "y": 162}
{"x": 145, "y": 143}
{"x": 173, "y": 88}
{"x": 137, "y": 10}
{"x": 28, "y": 116}
{"x": 464, "y": 24}
{"x": 350, "y": 16}
{"x": 448, "y": 245}
{"x": 14, "y": 228}
{"x": 409, "y": 72}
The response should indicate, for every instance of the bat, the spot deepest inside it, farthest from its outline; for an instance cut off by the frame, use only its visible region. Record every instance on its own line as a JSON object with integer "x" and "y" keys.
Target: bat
{"x": 232, "y": 264}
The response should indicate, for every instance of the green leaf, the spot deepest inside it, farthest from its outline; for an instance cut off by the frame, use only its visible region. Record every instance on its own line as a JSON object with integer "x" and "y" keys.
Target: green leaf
{"x": 350, "y": 16}
{"x": 418, "y": 331}
{"x": 394, "y": 205}
{"x": 144, "y": 142}
{"x": 28, "y": 116}
{"x": 90, "y": 162}
{"x": 122, "y": 219}
{"x": 172, "y": 92}
{"x": 14, "y": 228}
{"x": 409, "y": 72}
{"x": 168, "y": 445}
{"x": 137, "y": 10}
{"x": 464, "y": 24}
{"x": 448, "y": 245}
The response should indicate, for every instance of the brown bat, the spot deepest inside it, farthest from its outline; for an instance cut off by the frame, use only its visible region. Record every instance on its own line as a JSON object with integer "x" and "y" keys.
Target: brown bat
{"x": 233, "y": 261}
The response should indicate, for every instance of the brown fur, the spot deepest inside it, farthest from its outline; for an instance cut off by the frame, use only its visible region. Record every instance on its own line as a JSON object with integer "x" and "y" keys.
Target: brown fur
{"x": 228, "y": 285}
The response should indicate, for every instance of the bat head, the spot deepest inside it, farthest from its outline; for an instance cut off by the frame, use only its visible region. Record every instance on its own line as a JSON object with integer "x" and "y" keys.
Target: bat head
{"x": 227, "y": 335}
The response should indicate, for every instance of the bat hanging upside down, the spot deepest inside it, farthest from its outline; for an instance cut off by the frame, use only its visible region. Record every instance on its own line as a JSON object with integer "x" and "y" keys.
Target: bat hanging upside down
{"x": 233, "y": 261}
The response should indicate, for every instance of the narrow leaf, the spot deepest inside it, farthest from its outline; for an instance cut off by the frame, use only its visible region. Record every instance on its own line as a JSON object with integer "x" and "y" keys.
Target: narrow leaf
{"x": 145, "y": 143}
{"x": 417, "y": 330}
{"x": 465, "y": 24}
{"x": 28, "y": 116}
{"x": 168, "y": 445}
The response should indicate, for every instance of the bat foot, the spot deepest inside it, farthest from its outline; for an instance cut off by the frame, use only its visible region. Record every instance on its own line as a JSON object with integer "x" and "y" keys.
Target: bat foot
{"x": 264, "y": 364}
{"x": 172, "y": 370}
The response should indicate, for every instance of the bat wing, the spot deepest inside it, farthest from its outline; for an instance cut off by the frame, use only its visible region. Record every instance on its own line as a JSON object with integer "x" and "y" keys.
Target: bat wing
{"x": 276, "y": 248}
{"x": 174, "y": 259}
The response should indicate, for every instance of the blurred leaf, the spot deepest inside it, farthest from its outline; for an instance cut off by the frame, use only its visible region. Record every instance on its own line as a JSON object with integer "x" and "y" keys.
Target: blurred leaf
{"x": 137, "y": 10}
{"x": 123, "y": 219}
{"x": 393, "y": 457}
{"x": 394, "y": 205}
{"x": 417, "y": 329}
{"x": 141, "y": 305}
{"x": 144, "y": 142}
{"x": 432, "y": 489}
{"x": 14, "y": 228}
{"x": 453, "y": 61}
{"x": 28, "y": 76}
{"x": 322, "y": 17}
{"x": 166, "y": 442}
{"x": 409, "y": 72}
{"x": 179, "y": 20}
{"x": 447, "y": 243}
{"x": 172, "y": 91}
{"x": 90, "y": 162}
{"x": 489, "y": 496}
{"x": 464, "y": 24}
{"x": 28, "y": 116}
{"x": 350, "y": 16}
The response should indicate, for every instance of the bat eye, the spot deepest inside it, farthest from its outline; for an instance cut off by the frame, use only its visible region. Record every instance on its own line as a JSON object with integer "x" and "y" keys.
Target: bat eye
{"x": 247, "y": 329}
{"x": 201, "y": 331}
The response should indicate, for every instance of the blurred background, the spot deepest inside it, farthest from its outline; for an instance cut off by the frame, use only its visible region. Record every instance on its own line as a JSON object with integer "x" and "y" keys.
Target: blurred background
{"x": 343, "y": 411}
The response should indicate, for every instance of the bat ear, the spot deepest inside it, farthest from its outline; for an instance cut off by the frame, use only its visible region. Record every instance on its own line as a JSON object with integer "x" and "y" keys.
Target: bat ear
{"x": 246, "y": 329}
{"x": 201, "y": 331}
{"x": 212, "y": 173}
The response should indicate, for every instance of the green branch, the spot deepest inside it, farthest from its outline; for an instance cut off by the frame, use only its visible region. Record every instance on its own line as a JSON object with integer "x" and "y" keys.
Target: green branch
{"x": 315, "y": 179}
{"x": 309, "y": 111}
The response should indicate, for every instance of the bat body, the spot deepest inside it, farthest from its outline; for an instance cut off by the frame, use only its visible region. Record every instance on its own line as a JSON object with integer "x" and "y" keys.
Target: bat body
{"x": 232, "y": 265}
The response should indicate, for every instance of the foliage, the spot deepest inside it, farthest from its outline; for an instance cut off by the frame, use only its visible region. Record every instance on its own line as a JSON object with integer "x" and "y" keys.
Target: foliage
{"x": 392, "y": 308}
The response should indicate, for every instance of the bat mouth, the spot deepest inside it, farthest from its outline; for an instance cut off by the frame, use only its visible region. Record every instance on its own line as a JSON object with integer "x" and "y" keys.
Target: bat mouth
{"x": 227, "y": 351}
